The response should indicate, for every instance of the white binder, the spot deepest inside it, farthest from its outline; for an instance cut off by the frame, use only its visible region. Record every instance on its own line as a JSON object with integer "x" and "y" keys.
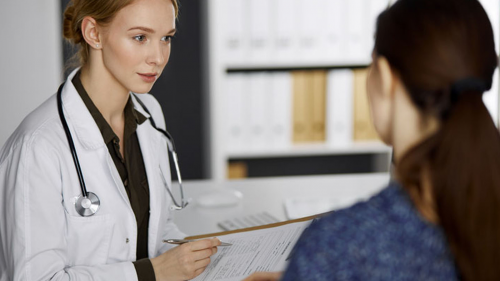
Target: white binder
{"x": 281, "y": 110}
{"x": 285, "y": 35}
{"x": 235, "y": 27}
{"x": 258, "y": 105}
{"x": 357, "y": 13}
{"x": 260, "y": 30}
{"x": 236, "y": 112}
{"x": 339, "y": 108}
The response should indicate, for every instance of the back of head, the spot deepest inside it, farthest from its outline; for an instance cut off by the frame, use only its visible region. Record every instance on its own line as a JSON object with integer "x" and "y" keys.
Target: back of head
{"x": 444, "y": 52}
{"x": 103, "y": 11}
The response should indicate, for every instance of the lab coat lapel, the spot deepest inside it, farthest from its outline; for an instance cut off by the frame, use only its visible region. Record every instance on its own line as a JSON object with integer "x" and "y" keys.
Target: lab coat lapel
{"x": 84, "y": 128}
{"x": 149, "y": 139}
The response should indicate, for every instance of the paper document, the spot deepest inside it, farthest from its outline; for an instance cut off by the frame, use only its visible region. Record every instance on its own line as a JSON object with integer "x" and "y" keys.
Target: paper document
{"x": 247, "y": 221}
{"x": 259, "y": 250}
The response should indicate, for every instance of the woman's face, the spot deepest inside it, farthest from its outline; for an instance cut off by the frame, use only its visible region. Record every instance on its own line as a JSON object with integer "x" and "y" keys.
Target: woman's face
{"x": 379, "y": 98}
{"x": 136, "y": 44}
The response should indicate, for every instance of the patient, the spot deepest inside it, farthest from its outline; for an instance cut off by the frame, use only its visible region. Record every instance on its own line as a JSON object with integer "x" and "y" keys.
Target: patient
{"x": 440, "y": 218}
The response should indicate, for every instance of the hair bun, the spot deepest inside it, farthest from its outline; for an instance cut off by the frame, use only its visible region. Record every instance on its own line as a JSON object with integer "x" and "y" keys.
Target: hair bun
{"x": 70, "y": 32}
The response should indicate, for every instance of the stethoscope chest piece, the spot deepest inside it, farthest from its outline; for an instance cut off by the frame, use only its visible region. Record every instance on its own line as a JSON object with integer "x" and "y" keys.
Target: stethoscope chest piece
{"x": 87, "y": 206}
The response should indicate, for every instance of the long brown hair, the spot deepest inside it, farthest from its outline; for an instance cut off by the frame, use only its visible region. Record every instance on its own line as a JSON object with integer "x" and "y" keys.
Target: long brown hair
{"x": 103, "y": 11}
{"x": 433, "y": 45}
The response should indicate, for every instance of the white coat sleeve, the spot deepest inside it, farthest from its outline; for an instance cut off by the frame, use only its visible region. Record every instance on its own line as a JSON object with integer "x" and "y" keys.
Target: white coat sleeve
{"x": 33, "y": 223}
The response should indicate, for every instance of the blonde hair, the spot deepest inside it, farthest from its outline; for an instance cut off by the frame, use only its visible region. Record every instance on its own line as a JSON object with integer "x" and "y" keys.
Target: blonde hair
{"x": 103, "y": 11}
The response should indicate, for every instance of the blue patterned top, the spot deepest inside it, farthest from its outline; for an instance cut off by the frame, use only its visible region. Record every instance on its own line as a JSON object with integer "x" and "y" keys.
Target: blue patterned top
{"x": 384, "y": 238}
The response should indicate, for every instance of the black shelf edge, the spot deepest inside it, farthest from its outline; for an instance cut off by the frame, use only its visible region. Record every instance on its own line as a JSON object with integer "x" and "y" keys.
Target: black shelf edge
{"x": 298, "y": 68}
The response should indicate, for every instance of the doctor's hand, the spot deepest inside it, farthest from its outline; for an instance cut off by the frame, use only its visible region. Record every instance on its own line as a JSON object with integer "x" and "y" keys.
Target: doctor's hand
{"x": 185, "y": 261}
{"x": 264, "y": 276}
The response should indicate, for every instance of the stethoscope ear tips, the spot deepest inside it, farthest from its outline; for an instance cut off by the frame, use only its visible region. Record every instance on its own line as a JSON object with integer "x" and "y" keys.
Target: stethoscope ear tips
{"x": 87, "y": 206}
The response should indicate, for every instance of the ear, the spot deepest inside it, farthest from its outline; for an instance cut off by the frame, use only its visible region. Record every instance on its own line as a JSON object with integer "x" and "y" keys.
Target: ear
{"x": 91, "y": 33}
{"x": 386, "y": 76}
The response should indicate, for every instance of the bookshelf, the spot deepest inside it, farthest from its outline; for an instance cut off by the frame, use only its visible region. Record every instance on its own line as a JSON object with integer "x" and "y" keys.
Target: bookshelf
{"x": 312, "y": 149}
{"x": 254, "y": 43}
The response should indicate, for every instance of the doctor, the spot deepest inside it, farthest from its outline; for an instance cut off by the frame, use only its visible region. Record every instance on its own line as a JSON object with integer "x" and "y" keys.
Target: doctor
{"x": 124, "y": 47}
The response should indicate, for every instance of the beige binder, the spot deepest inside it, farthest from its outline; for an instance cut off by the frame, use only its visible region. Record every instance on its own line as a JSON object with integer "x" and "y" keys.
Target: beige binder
{"x": 318, "y": 100}
{"x": 363, "y": 126}
{"x": 302, "y": 106}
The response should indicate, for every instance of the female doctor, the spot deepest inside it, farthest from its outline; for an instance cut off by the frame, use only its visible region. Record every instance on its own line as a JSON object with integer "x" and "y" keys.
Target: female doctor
{"x": 51, "y": 227}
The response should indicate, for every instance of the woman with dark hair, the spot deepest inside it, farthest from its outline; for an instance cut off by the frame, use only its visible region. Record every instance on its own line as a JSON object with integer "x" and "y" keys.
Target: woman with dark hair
{"x": 440, "y": 218}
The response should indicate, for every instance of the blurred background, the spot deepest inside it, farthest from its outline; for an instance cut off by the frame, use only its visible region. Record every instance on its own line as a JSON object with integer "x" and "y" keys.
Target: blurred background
{"x": 254, "y": 88}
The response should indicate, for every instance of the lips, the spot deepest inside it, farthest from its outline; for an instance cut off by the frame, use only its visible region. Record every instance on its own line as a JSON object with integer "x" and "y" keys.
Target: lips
{"x": 148, "y": 77}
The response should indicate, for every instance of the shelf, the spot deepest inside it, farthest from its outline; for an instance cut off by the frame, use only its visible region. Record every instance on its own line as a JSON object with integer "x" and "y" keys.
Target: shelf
{"x": 289, "y": 66}
{"x": 319, "y": 149}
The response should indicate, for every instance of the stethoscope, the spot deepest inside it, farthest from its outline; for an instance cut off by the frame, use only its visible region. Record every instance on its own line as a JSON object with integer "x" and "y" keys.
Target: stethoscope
{"x": 88, "y": 203}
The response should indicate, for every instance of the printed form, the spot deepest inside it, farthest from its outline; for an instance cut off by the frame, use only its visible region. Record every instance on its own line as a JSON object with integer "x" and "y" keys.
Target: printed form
{"x": 258, "y": 250}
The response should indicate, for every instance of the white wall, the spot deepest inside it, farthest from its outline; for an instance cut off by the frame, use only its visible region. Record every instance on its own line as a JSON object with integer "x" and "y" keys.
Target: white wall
{"x": 30, "y": 58}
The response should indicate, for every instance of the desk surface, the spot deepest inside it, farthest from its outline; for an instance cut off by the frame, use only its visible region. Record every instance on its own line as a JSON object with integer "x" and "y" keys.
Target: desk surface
{"x": 268, "y": 195}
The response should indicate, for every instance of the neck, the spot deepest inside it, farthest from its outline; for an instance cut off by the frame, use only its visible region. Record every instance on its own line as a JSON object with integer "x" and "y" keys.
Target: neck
{"x": 108, "y": 95}
{"x": 410, "y": 127}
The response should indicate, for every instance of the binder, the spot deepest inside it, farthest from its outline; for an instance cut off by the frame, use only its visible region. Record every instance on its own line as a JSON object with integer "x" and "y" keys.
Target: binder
{"x": 285, "y": 39}
{"x": 235, "y": 27}
{"x": 310, "y": 20}
{"x": 363, "y": 126}
{"x": 259, "y": 107}
{"x": 356, "y": 29}
{"x": 237, "y": 170}
{"x": 335, "y": 30}
{"x": 236, "y": 112}
{"x": 340, "y": 108}
{"x": 302, "y": 107}
{"x": 260, "y": 30}
{"x": 318, "y": 100}
{"x": 281, "y": 110}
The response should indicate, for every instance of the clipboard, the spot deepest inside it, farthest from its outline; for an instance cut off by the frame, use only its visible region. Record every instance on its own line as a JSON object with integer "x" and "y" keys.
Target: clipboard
{"x": 310, "y": 218}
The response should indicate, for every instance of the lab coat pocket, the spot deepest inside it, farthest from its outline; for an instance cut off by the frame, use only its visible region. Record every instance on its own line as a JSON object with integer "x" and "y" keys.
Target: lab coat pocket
{"x": 89, "y": 239}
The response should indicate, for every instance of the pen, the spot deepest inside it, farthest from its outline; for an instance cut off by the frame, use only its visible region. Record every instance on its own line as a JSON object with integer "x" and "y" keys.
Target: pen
{"x": 182, "y": 241}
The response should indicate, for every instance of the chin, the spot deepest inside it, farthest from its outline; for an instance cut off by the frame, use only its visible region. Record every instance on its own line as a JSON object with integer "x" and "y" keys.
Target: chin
{"x": 383, "y": 135}
{"x": 385, "y": 139}
{"x": 141, "y": 90}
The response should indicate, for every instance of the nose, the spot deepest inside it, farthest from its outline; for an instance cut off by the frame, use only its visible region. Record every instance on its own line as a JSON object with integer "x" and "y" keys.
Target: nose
{"x": 158, "y": 54}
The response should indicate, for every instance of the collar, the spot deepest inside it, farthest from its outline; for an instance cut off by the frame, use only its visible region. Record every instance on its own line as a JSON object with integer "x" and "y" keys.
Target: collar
{"x": 138, "y": 108}
{"x": 83, "y": 122}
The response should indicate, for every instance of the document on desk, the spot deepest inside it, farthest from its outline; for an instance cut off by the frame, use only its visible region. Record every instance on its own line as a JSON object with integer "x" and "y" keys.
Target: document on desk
{"x": 258, "y": 250}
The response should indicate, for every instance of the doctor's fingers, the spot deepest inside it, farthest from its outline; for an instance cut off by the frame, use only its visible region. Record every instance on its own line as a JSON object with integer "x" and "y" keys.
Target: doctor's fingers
{"x": 203, "y": 254}
{"x": 204, "y": 244}
{"x": 199, "y": 271}
{"x": 201, "y": 264}
{"x": 196, "y": 268}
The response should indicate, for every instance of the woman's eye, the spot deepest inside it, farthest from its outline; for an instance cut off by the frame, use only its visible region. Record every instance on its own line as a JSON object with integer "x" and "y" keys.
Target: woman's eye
{"x": 140, "y": 38}
{"x": 167, "y": 39}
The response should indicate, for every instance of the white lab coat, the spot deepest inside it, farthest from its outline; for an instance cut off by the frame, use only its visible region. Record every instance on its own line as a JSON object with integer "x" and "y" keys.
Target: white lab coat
{"x": 41, "y": 235}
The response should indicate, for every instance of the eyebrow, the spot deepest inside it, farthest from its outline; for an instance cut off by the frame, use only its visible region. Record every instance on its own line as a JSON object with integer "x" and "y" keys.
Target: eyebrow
{"x": 149, "y": 30}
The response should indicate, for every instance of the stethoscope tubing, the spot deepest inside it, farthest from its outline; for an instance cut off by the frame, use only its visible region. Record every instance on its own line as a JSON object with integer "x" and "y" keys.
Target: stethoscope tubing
{"x": 172, "y": 149}
{"x": 89, "y": 206}
{"x": 83, "y": 187}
